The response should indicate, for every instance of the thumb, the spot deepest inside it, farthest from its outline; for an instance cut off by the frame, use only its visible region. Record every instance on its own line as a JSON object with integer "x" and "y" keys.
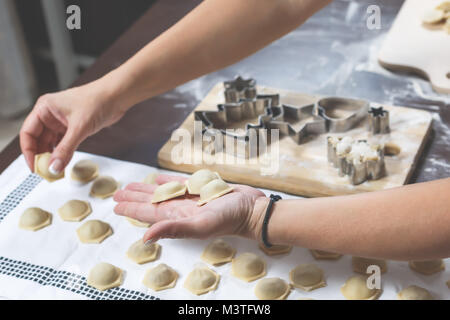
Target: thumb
{"x": 64, "y": 151}
{"x": 175, "y": 229}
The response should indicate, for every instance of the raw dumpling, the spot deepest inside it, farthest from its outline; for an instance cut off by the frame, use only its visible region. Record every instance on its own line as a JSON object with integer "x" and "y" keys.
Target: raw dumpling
{"x": 138, "y": 223}
{"x": 414, "y": 293}
{"x": 272, "y": 289}
{"x": 84, "y": 171}
{"x": 141, "y": 253}
{"x": 361, "y": 264}
{"x": 201, "y": 280}
{"x": 168, "y": 191}
{"x": 275, "y": 249}
{"x": 200, "y": 178}
{"x": 248, "y": 267}
{"x": 218, "y": 252}
{"x": 104, "y": 187}
{"x": 75, "y": 210}
{"x": 94, "y": 231}
{"x": 104, "y": 276}
{"x": 427, "y": 267}
{"x": 41, "y": 163}
{"x": 160, "y": 277}
{"x": 34, "y": 219}
{"x": 213, "y": 190}
{"x": 151, "y": 178}
{"x": 325, "y": 255}
{"x": 307, "y": 277}
{"x": 355, "y": 288}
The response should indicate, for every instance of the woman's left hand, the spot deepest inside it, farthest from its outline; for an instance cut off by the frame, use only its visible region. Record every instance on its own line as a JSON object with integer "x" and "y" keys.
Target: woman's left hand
{"x": 231, "y": 214}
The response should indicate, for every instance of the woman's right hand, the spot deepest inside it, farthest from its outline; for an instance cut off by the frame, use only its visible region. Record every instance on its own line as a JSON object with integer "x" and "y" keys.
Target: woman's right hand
{"x": 60, "y": 121}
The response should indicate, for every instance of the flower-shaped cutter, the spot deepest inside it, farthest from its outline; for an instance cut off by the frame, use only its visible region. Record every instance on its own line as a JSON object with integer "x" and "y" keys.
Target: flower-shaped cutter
{"x": 371, "y": 169}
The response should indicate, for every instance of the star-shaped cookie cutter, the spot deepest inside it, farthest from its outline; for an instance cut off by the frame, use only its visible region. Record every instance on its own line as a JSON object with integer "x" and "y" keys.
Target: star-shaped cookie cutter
{"x": 239, "y": 89}
{"x": 286, "y": 118}
{"x": 378, "y": 120}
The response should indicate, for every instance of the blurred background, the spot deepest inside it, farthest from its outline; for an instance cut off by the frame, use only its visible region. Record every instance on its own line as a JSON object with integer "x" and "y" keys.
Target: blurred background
{"x": 38, "y": 54}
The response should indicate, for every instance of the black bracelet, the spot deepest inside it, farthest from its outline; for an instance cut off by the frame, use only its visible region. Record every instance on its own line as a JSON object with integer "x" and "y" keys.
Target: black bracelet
{"x": 273, "y": 198}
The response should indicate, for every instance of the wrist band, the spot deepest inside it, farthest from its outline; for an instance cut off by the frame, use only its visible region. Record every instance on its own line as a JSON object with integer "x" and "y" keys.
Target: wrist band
{"x": 273, "y": 198}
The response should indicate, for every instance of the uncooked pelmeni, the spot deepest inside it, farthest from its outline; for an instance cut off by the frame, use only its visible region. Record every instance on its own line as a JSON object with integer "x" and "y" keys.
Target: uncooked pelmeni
{"x": 248, "y": 267}
{"x": 75, "y": 210}
{"x": 104, "y": 187}
{"x": 34, "y": 219}
{"x": 218, "y": 252}
{"x": 151, "y": 178}
{"x": 447, "y": 25}
{"x": 138, "y": 223}
{"x": 275, "y": 249}
{"x": 201, "y": 280}
{"x": 427, "y": 267}
{"x": 41, "y": 164}
{"x": 141, "y": 253}
{"x": 433, "y": 16}
{"x": 307, "y": 277}
{"x": 168, "y": 191}
{"x": 325, "y": 255}
{"x": 361, "y": 264}
{"x": 198, "y": 179}
{"x": 160, "y": 277}
{"x": 213, "y": 190}
{"x": 414, "y": 293}
{"x": 104, "y": 276}
{"x": 355, "y": 288}
{"x": 272, "y": 289}
{"x": 84, "y": 171}
{"x": 94, "y": 231}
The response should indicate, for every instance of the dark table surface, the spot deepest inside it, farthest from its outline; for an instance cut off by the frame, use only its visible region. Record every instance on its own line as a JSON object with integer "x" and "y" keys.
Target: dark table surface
{"x": 333, "y": 53}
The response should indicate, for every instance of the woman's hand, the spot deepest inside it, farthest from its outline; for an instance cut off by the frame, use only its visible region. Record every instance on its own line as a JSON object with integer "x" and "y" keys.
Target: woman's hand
{"x": 60, "y": 121}
{"x": 231, "y": 214}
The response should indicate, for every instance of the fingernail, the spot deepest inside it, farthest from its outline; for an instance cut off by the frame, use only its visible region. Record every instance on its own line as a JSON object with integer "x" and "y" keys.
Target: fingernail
{"x": 148, "y": 243}
{"x": 55, "y": 167}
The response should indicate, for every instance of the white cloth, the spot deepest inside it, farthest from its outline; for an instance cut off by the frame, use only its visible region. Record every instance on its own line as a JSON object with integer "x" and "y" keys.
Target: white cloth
{"x": 57, "y": 247}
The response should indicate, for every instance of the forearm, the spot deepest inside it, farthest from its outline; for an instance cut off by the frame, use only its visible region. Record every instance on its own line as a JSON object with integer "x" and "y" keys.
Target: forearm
{"x": 406, "y": 223}
{"x": 215, "y": 34}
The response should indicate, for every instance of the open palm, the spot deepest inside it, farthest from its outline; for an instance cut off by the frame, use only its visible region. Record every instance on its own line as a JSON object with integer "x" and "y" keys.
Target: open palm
{"x": 182, "y": 217}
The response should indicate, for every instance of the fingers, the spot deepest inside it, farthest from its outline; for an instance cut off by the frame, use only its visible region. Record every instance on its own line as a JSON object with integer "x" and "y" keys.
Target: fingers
{"x": 132, "y": 196}
{"x": 64, "y": 150}
{"x": 164, "y": 178}
{"x": 141, "y": 211}
{"x": 141, "y": 187}
{"x": 177, "y": 229}
{"x": 29, "y": 134}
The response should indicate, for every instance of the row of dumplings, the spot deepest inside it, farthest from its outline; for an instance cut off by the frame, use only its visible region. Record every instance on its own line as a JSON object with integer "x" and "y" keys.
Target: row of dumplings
{"x": 205, "y": 183}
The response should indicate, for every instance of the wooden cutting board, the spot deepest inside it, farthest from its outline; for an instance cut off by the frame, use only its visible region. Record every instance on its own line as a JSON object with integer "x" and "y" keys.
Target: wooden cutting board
{"x": 409, "y": 46}
{"x": 304, "y": 169}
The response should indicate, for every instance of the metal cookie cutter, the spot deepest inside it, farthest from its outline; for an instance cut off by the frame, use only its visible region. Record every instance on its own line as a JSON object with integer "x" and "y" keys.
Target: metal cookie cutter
{"x": 341, "y": 114}
{"x": 238, "y": 89}
{"x": 358, "y": 166}
{"x": 245, "y": 115}
{"x": 378, "y": 120}
{"x": 297, "y": 122}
